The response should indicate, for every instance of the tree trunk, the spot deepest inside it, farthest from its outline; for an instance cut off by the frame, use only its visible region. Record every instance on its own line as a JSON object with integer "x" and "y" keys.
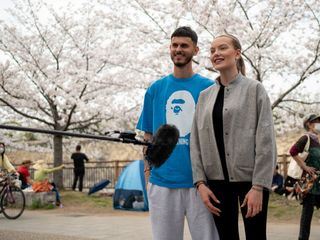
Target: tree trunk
{"x": 57, "y": 160}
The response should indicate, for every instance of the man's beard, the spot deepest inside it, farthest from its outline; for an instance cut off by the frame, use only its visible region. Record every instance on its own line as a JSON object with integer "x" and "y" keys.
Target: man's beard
{"x": 181, "y": 64}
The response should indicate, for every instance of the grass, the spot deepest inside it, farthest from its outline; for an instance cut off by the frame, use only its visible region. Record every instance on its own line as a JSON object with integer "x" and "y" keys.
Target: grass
{"x": 81, "y": 202}
{"x": 280, "y": 208}
{"x": 283, "y": 210}
{"x": 82, "y": 199}
{"x": 36, "y": 204}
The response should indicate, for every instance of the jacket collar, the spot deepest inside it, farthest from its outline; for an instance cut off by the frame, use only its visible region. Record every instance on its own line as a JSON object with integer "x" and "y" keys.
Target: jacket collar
{"x": 233, "y": 82}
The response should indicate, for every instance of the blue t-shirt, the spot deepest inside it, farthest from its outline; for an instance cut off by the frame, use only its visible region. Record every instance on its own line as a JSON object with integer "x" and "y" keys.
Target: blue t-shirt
{"x": 172, "y": 100}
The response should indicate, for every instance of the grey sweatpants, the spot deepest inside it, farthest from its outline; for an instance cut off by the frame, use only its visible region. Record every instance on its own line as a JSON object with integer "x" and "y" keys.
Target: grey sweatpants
{"x": 168, "y": 209}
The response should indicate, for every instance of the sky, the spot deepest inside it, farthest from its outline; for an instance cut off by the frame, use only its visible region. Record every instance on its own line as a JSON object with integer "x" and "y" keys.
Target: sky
{"x": 4, "y": 4}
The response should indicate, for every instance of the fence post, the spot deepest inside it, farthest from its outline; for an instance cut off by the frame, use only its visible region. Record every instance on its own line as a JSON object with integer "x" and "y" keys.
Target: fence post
{"x": 117, "y": 170}
{"x": 285, "y": 165}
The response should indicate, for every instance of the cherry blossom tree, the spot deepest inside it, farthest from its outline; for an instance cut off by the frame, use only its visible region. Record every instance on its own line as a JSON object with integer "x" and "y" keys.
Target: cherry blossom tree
{"x": 61, "y": 69}
{"x": 85, "y": 67}
{"x": 281, "y": 43}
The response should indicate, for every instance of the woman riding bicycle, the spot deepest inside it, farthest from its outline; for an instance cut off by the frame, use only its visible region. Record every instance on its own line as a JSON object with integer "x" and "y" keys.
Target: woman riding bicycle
{"x": 5, "y": 162}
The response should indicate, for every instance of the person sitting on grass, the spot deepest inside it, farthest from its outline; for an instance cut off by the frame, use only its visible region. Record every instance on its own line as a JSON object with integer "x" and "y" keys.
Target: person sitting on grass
{"x": 277, "y": 182}
{"x": 23, "y": 170}
{"x": 41, "y": 182}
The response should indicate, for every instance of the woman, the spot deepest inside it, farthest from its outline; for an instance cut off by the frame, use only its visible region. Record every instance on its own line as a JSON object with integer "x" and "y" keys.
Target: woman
{"x": 233, "y": 145}
{"x": 4, "y": 160}
{"x": 311, "y": 165}
{"x": 41, "y": 180}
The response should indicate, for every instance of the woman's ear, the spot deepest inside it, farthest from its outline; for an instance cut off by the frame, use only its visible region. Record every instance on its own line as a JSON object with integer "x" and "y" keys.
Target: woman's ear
{"x": 238, "y": 54}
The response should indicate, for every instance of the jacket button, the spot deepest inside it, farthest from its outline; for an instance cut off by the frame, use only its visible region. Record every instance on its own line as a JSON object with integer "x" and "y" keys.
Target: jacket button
{"x": 227, "y": 133}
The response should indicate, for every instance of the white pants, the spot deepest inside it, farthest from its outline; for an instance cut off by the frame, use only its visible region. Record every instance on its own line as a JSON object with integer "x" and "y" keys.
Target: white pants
{"x": 168, "y": 209}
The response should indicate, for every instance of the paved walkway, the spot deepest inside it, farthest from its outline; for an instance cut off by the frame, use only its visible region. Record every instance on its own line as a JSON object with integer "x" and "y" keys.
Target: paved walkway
{"x": 55, "y": 225}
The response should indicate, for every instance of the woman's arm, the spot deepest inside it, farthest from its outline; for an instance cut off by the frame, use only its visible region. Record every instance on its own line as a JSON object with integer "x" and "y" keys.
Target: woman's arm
{"x": 195, "y": 151}
{"x": 50, "y": 170}
{"x": 265, "y": 143}
{"x": 7, "y": 165}
{"x": 198, "y": 172}
{"x": 297, "y": 148}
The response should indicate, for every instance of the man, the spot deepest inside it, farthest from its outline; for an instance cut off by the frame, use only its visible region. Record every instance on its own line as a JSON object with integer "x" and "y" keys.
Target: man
{"x": 172, "y": 100}
{"x": 23, "y": 170}
{"x": 78, "y": 161}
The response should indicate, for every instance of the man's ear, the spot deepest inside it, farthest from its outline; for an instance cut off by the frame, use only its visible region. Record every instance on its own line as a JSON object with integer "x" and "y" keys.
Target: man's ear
{"x": 196, "y": 51}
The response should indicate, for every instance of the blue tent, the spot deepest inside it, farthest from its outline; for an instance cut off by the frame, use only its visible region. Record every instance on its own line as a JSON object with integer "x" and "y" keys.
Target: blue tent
{"x": 130, "y": 191}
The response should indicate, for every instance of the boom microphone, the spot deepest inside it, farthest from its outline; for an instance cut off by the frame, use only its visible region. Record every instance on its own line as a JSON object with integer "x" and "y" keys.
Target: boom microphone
{"x": 162, "y": 145}
{"x": 158, "y": 150}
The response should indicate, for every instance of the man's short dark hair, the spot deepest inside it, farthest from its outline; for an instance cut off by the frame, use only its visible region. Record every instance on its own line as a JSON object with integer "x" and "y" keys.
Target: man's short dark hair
{"x": 78, "y": 147}
{"x": 185, "y": 32}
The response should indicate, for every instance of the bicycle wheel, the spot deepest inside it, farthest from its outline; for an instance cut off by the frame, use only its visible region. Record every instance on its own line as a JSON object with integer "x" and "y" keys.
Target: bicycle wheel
{"x": 12, "y": 202}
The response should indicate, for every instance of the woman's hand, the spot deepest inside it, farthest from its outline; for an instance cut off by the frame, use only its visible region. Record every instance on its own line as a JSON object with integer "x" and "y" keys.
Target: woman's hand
{"x": 206, "y": 195}
{"x": 303, "y": 165}
{"x": 253, "y": 200}
{"x": 310, "y": 170}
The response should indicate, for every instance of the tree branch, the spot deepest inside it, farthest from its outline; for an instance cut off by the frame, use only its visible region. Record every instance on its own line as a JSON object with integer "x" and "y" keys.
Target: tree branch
{"x": 152, "y": 19}
{"x": 24, "y": 114}
{"x": 301, "y": 102}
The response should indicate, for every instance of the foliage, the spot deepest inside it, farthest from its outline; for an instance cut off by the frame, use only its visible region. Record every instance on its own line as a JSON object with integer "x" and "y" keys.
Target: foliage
{"x": 29, "y": 136}
{"x": 36, "y": 204}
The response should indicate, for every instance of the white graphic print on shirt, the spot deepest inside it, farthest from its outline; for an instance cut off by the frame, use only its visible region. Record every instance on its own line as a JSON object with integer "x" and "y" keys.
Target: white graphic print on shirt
{"x": 180, "y": 109}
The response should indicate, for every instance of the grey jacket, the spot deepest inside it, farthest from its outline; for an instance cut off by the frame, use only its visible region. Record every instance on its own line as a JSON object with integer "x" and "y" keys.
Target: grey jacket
{"x": 249, "y": 137}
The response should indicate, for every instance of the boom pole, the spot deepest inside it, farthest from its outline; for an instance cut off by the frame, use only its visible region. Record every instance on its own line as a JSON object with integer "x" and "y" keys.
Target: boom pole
{"x": 79, "y": 135}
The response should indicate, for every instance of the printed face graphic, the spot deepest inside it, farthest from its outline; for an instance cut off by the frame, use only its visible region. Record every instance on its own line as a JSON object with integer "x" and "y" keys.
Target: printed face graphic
{"x": 180, "y": 109}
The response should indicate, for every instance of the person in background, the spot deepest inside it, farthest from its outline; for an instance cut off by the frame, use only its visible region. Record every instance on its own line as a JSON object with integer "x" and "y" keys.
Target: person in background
{"x": 6, "y": 165}
{"x": 5, "y": 162}
{"x": 171, "y": 100}
{"x": 25, "y": 174}
{"x": 79, "y": 169}
{"x": 310, "y": 166}
{"x": 41, "y": 181}
{"x": 233, "y": 147}
{"x": 277, "y": 182}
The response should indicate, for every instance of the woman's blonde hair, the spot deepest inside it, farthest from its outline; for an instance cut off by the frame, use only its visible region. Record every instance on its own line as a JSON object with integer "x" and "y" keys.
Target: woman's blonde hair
{"x": 236, "y": 44}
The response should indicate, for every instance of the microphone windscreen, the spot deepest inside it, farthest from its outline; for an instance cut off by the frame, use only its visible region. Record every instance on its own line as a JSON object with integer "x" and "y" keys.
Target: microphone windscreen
{"x": 162, "y": 145}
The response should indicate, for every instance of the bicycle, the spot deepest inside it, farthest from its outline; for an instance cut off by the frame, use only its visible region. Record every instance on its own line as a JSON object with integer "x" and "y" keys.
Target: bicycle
{"x": 13, "y": 201}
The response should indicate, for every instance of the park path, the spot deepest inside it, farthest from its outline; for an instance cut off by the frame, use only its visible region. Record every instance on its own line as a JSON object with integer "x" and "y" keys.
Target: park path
{"x": 55, "y": 225}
